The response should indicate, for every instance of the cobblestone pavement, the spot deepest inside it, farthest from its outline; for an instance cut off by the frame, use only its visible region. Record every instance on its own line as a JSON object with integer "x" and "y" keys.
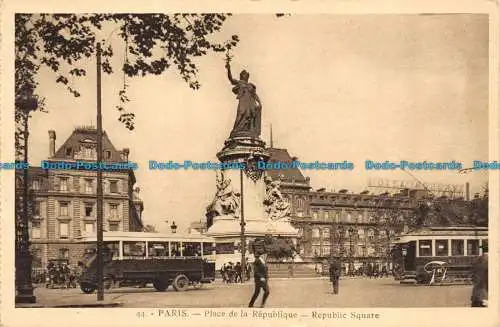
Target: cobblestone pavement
{"x": 291, "y": 293}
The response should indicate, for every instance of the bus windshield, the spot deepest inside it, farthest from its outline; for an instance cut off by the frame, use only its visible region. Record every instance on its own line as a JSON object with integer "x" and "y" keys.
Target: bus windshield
{"x": 90, "y": 255}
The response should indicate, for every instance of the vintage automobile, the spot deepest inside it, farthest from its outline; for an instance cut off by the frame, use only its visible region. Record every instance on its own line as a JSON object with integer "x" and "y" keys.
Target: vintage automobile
{"x": 144, "y": 265}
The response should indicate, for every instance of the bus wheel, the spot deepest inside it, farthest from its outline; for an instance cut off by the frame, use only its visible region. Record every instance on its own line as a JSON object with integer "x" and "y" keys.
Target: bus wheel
{"x": 87, "y": 288}
{"x": 160, "y": 285}
{"x": 181, "y": 283}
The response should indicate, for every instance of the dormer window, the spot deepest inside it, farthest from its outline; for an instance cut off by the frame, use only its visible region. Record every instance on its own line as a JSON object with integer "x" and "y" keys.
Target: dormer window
{"x": 88, "y": 152}
{"x": 69, "y": 152}
{"x": 107, "y": 154}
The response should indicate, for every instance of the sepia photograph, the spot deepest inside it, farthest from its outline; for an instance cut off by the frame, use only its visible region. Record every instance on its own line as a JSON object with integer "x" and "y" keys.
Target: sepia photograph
{"x": 206, "y": 166}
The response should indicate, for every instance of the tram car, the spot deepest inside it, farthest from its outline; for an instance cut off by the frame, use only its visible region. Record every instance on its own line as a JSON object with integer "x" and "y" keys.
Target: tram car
{"x": 438, "y": 254}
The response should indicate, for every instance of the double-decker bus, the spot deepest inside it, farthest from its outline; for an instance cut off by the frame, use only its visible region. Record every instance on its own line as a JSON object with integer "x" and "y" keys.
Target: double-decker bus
{"x": 138, "y": 258}
{"x": 438, "y": 254}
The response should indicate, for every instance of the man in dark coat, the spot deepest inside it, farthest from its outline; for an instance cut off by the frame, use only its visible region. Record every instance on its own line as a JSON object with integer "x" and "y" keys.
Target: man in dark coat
{"x": 480, "y": 280}
{"x": 238, "y": 273}
{"x": 248, "y": 270}
{"x": 335, "y": 276}
{"x": 261, "y": 279}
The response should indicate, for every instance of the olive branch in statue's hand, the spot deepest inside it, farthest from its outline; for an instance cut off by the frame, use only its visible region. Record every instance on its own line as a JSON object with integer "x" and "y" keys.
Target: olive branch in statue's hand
{"x": 228, "y": 59}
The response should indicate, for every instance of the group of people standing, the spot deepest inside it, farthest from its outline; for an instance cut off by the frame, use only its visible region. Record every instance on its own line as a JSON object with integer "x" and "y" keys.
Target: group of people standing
{"x": 234, "y": 273}
{"x": 61, "y": 275}
{"x": 371, "y": 271}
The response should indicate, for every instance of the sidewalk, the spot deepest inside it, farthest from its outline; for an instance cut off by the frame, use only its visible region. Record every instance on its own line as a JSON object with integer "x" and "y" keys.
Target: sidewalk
{"x": 70, "y": 298}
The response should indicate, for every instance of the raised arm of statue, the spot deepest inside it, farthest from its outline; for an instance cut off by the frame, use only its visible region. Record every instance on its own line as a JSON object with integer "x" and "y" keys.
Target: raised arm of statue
{"x": 229, "y": 75}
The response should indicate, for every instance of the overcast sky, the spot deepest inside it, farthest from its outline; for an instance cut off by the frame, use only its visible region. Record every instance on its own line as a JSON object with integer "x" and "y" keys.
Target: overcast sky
{"x": 334, "y": 87}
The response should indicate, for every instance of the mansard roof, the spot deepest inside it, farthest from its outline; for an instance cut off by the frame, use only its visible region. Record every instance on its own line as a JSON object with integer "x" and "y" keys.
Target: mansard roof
{"x": 87, "y": 135}
{"x": 286, "y": 175}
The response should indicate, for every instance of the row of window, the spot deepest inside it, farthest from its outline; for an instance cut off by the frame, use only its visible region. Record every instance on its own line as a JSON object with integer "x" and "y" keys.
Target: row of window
{"x": 301, "y": 200}
{"x": 63, "y": 229}
{"x": 442, "y": 247}
{"x": 325, "y": 233}
{"x": 88, "y": 209}
{"x": 63, "y": 185}
{"x": 325, "y": 250}
{"x": 86, "y": 152}
{"x": 160, "y": 249}
{"x": 343, "y": 216}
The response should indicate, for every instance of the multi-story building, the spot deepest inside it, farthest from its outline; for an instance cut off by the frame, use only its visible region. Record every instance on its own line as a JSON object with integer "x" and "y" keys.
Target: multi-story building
{"x": 358, "y": 228}
{"x": 355, "y": 227}
{"x": 63, "y": 201}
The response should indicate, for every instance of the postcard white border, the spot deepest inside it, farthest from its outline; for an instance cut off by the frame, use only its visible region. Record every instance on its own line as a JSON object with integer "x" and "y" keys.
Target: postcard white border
{"x": 10, "y": 316}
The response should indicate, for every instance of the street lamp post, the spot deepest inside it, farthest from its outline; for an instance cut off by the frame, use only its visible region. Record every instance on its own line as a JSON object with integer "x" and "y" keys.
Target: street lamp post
{"x": 351, "y": 250}
{"x": 242, "y": 225}
{"x": 23, "y": 259}
{"x": 243, "y": 246}
{"x": 332, "y": 241}
{"x": 315, "y": 259}
{"x": 99, "y": 195}
{"x": 341, "y": 244}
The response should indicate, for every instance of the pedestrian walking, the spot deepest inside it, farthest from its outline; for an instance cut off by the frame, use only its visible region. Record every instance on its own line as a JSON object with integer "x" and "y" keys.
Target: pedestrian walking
{"x": 261, "y": 279}
{"x": 238, "y": 273}
{"x": 335, "y": 276}
{"x": 223, "y": 273}
{"x": 248, "y": 270}
{"x": 480, "y": 281}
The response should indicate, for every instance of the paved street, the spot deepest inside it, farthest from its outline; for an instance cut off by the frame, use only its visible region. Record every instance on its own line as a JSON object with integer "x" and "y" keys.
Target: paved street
{"x": 284, "y": 293}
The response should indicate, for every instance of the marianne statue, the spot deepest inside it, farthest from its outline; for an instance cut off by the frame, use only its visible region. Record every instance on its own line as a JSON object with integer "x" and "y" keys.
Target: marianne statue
{"x": 248, "y": 114}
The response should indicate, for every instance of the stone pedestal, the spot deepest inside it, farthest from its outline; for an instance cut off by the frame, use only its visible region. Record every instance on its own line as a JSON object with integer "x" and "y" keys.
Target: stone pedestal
{"x": 249, "y": 150}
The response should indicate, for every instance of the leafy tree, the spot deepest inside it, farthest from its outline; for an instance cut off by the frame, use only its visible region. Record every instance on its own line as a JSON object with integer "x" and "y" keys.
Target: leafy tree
{"x": 275, "y": 247}
{"x": 154, "y": 43}
{"x": 391, "y": 223}
{"x": 478, "y": 212}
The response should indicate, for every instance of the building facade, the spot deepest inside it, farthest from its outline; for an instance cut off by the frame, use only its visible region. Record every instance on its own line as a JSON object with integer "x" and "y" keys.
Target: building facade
{"x": 63, "y": 203}
{"x": 358, "y": 228}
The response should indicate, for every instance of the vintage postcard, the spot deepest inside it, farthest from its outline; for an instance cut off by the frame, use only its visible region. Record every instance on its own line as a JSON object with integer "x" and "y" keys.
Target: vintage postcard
{"x": 249, "y": 163}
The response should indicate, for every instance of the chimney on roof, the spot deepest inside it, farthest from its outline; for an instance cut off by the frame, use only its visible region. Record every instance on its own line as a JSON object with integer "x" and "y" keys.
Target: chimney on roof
{"x": 52, "y": 143}
{"x": 125, "y": 153}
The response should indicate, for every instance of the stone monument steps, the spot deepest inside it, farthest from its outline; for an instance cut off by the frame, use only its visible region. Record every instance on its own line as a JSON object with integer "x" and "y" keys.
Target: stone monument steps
{"x": 285, "y": 270}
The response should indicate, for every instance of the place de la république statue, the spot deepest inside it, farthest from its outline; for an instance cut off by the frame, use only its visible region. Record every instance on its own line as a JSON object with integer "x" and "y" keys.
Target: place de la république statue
{"x": 265, "y": 212}
{"x": 249, "y": 110}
